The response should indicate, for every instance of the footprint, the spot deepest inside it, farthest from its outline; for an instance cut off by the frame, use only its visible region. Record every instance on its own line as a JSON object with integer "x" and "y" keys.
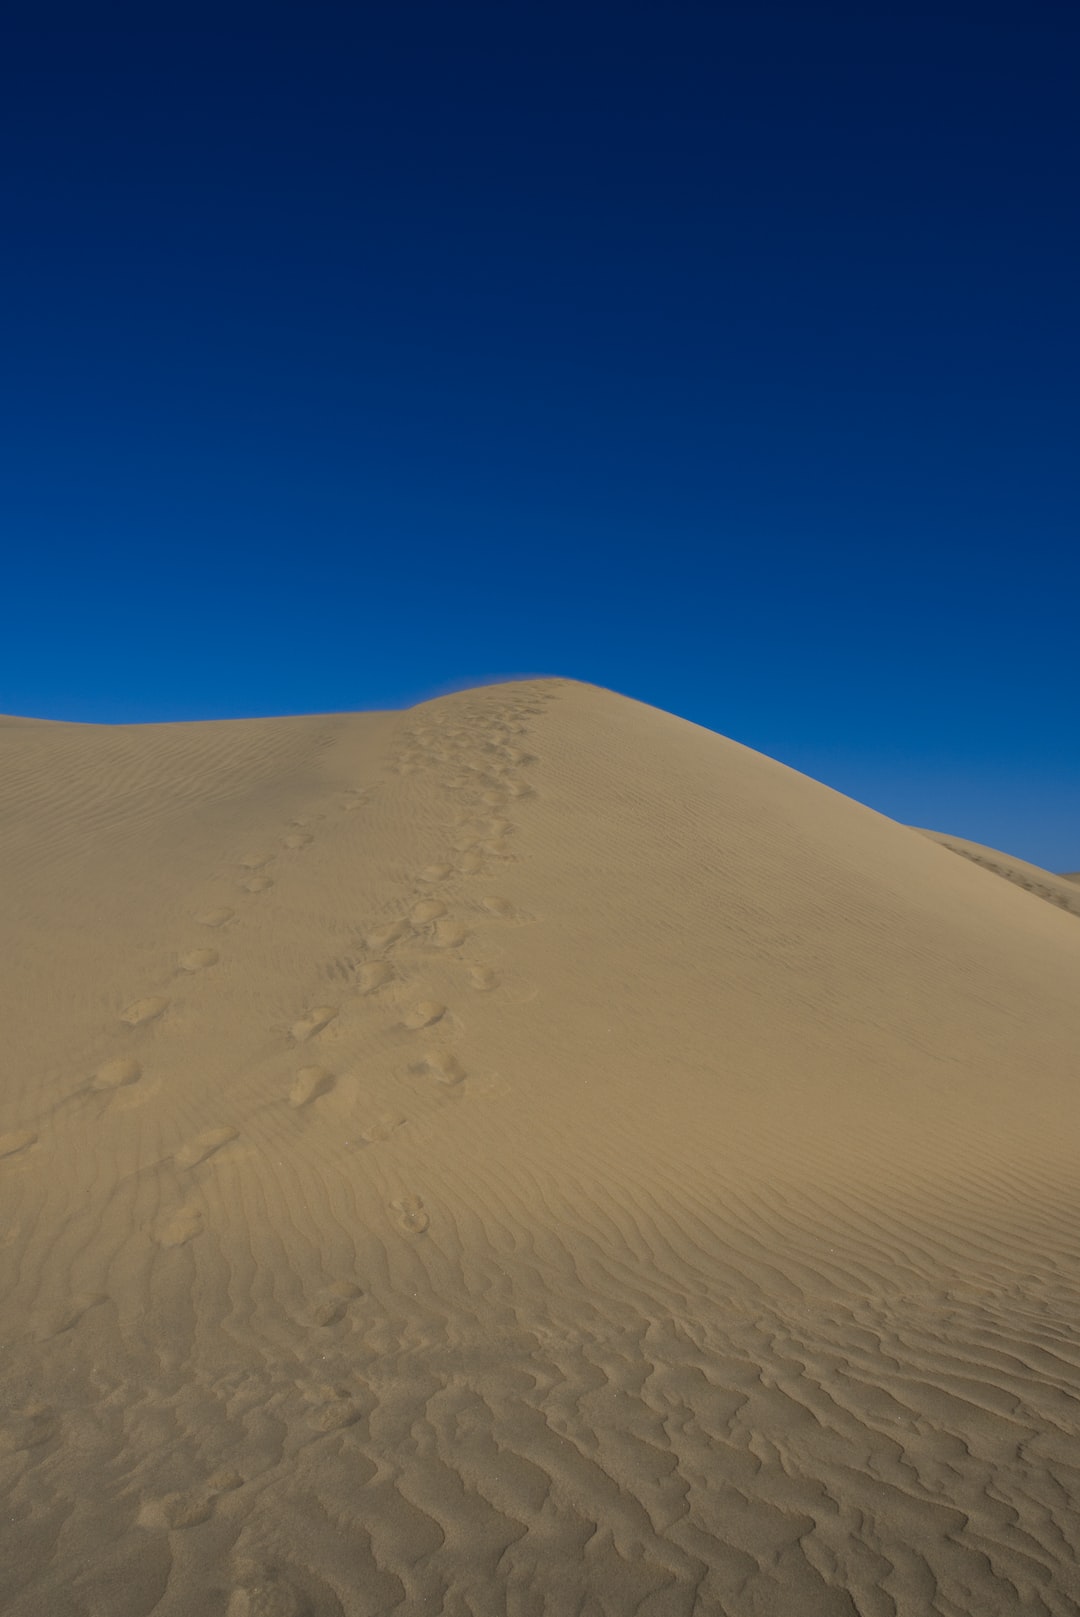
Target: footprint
{"x": 482, "y": 978}
{"x": 311, "y": 1082}
{"x": 501, "y": 907}
{"x": 520, "y": 788}
{"x": 384, "y": 936}
{"x": 176, "y": 1510}
{"x": 198, "y": 959}
{"x": 258, "y": 884}
{"x": 314, "y": 1022}
{"x": 225, "y": 1480}
{"x": 429, "y": 909}
{"x": 255, "y": 861}
{"x": 424, "y": 1014}
{"x": 298, "y": 839}
{"x": 182, "y": 1227}
{"x": 143, "y": 1011}
{"x": 497, "y": 846}
{"x": 54, "y": 1322}
{"x": 203, "y": 1146}
{"x": 334, "y": 1306}
{"x": 20, "y": 1140}
{"x": 329, "y": 1312}
{"x": 444, "y": 1066}
{"x": 434, "y": 873}
{"x": 449, "y": 934}
{"x": 266, "y": 1596}
{"x": 373, "y": 975}
{"x": 332, "y": 1417}
{"x": 216, "y": 917}
{"x": 331, "y": 1405}
{"x": 381, "y": 1128}
{"x": 470, "y": 864}
{"x": 36, "y": 1425}
{"x": 411, "y": 1214}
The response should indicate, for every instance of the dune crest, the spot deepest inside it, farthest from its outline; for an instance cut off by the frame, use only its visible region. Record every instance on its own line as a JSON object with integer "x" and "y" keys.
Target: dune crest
{"x": 1043, "y": 884}
{"x": 596, "y": 1169}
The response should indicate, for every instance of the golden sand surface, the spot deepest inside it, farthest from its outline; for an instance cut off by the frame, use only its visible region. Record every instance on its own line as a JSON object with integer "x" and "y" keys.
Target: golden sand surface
{"x": 1059, "y": 890}
{"x": 525, "y": 1155}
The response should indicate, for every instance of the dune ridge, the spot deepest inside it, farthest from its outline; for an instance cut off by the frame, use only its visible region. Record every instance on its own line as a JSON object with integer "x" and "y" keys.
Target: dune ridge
{"x": 1032, "y": 878}
{"x": 524, "y": 1154}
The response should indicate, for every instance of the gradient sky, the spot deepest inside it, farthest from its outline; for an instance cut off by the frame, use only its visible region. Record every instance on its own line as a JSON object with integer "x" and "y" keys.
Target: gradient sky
{"x": 725, "y": 355}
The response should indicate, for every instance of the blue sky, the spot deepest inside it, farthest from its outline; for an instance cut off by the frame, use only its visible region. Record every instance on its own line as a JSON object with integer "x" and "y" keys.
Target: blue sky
{"x": 723, "y": 355}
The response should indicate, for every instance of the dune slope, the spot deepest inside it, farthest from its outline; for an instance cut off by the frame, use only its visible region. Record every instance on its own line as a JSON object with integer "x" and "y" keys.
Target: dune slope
{"x": 1043, "y": 884}
{"x": 523, "y": 1155}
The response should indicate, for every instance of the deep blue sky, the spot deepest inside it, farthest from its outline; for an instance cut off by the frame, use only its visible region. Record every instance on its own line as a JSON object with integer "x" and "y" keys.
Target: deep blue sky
{"x": 726, "y": 355}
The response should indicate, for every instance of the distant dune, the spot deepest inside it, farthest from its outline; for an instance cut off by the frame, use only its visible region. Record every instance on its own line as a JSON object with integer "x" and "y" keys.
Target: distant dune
{"x": 525, "y": 1155}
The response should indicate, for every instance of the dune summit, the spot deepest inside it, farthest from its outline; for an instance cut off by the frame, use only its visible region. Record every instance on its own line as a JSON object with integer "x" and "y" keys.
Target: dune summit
{"x": 527, "y": 1155}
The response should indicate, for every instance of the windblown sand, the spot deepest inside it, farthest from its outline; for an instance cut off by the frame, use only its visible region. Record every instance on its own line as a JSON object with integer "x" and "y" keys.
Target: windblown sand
{"x": 524, "y": 1155}
{"x": 1059, "y": 890}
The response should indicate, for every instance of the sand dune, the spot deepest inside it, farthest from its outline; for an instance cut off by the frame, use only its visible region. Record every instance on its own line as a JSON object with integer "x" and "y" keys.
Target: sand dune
{"x": 1042, "y": 883}
{"x": 525, "y": 1155}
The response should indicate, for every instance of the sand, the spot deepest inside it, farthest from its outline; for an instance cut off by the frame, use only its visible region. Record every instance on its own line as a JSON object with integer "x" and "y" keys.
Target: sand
{"x": 527, "y": 1155}
{"x": 1059, "y": 890}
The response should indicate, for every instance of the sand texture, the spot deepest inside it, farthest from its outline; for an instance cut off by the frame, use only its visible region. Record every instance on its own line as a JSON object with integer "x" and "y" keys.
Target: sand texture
{"x": 1059, "y": 890}
{"x": 524, "y": 1155}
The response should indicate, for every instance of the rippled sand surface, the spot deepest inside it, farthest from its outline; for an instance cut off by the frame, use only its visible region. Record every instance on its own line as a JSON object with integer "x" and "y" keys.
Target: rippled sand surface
{"x": 525, "y": 1155}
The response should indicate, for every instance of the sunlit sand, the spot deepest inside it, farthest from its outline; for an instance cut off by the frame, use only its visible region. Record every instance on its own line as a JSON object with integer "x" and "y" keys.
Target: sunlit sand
{"x": 526, "y": 1154}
